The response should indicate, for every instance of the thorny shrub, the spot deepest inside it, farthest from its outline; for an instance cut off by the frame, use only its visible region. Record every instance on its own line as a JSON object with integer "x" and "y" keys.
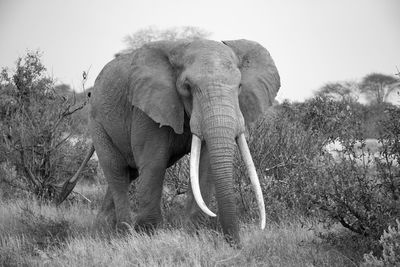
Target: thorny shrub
{"x": 35, "y": 123}
{"x": 353, "y": 187}
{"x": 361, "y": 189}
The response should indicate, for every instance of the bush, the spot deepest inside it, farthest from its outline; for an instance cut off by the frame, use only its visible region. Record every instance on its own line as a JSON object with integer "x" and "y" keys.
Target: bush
{"x": 299, "y": 176}
{"x": 35, "y": 125}
{"x": 283, "y": 151}
{"x": 390, "y": 241}
{"x": 361, "y": 190}
{"x": 288, "y": 149}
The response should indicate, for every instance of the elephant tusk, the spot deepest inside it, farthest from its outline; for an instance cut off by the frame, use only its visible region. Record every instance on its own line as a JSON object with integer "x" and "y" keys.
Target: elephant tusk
{"x": 69, "y": 185}
{"x": 248, "y": 161}
{"x": 194, "y": 175}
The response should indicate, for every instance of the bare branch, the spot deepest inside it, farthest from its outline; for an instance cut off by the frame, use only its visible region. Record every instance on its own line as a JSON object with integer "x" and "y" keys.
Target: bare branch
{"x": 70, "y": 112}
{"x": 61, "y": 142}
{"x": 27, "y": 171}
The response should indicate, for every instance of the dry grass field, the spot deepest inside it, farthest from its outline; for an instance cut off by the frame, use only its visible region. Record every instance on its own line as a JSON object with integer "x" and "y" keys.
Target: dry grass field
{"x": 34, "y": 234}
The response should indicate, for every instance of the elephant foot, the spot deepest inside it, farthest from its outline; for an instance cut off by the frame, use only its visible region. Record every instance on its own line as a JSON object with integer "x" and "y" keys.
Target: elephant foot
{"x": 123, "y": 227}
{"x": 109, "y": 221}
{"x": 105, "y": 221}
{"x": 146, "y": 223}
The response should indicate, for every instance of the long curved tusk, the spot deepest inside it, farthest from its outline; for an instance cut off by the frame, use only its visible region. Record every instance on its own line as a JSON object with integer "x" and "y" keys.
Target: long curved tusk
{"x": 69, "y": 185}
{"x": 248, "y": 161}
{"x": 194, "y": 175}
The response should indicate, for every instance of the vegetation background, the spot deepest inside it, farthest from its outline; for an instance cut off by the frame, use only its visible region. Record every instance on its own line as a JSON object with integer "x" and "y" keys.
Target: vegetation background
{"x": 329, "y": 169}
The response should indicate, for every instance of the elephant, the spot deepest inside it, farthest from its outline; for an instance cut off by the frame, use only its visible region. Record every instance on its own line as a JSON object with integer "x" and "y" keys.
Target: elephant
{"x": 166, "y": 99}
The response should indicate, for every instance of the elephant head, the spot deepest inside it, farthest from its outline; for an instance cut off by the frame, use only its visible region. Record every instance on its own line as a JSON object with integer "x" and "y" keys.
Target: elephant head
{"x": 221, "y": 87}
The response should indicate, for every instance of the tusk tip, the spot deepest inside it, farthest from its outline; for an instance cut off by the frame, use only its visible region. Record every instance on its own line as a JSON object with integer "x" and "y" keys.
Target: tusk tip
{"x": 208, "y": 212}
{"x": 262, "y": 225}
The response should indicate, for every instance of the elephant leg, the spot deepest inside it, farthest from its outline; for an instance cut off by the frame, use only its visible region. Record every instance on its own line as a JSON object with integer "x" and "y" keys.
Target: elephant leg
{"x": 116, "y": 171}
{"x": 152, "y": 160}
{"x": 196, "y": 216}
{"x": 118, "y": 183}
{"x": 107, "y": 210}
{"x": 149, "y": 190}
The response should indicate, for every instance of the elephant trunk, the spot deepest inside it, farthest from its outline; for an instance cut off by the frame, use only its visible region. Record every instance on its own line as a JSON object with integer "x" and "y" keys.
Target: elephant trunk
{"x": 220, "y": 126}
{"x": 220, "y": 130}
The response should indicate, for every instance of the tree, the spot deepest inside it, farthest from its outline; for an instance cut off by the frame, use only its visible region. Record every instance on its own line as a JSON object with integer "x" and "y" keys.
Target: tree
{"x": 34, "y": 126}
{"x": 376, "y": 86}
{"x": 341, "y": 91}
{"x": 151, "y": 34}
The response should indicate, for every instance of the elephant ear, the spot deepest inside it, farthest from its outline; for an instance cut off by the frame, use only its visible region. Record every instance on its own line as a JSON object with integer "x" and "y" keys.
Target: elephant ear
{"x": 260, "y": 78}
{"x": 152, "y": 85}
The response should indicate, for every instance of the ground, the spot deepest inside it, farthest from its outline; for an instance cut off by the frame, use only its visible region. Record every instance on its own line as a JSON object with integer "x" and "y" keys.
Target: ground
{"x": 41, "y": 234}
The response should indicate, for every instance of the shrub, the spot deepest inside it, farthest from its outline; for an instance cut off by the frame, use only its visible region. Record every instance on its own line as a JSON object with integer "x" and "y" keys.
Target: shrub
{"x": 390, "y": 241}
{"x": 355, "y": 188}
{"x": 288, "y": 148}
{"x": 283, "y": 151}
{"x": 361, "y": 190}
{"x": 35, "y": 124}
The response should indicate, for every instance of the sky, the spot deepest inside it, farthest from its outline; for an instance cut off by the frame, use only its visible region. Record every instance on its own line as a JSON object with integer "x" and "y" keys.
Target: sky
{"x": 312, "y": 42}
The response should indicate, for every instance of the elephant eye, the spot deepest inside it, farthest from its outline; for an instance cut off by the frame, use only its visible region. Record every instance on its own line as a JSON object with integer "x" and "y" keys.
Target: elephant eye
{"x": 185, "y": 89}
{"x": 240, "y": 88}
{"x": 187, "y": 86}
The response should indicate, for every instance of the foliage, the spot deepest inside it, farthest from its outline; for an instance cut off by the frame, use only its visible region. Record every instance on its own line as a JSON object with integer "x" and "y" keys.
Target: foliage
{"x": 341, "y": 91}
{"x": 353, "y": 186}
{"x": 390, "y": 133}
{"x": 35, "y": 125}
{"x": 356, "y": 195}
{"x": 151, "y": 34}
{"x": 282, "y": 150}
{"x": 390, "y": 241}
{"x": 376, "y": 88}
{"x": 287, "y": 147}
{"x": 356, "y": 189}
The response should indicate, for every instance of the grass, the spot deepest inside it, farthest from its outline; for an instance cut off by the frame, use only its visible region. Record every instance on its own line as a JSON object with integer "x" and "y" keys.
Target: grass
{"x": 34, "y": 234}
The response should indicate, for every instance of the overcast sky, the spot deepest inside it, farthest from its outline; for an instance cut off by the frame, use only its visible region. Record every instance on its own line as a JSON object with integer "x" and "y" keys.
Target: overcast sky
{"x": 312, "y": 41}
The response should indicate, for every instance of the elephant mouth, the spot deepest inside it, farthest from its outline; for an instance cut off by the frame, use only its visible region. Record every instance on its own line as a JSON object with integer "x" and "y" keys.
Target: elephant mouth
{"x": 246, "y": 156}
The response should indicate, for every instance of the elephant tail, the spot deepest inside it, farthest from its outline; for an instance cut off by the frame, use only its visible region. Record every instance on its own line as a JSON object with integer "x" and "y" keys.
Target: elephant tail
{"x": 69, "y": 185}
